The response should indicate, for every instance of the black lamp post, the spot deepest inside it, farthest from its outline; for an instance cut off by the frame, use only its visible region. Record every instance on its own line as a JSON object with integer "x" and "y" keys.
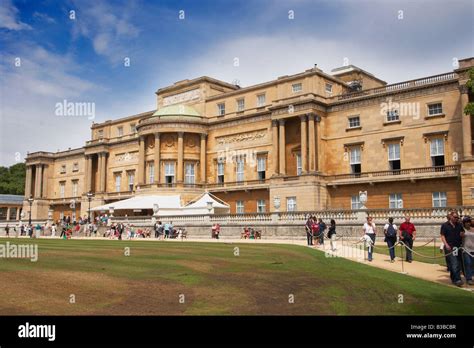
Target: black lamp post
{"x": 89, "y": 198}
{"x": 30, "y": 201}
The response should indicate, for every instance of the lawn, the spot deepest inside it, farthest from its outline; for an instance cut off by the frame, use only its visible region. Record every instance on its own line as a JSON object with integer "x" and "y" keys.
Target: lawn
{"x": 428, "y": 251}
{"x": 176, "y": 278}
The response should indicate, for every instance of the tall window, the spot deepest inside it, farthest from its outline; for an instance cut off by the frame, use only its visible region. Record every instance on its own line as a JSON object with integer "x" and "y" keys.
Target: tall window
{"x": 437, "y": 152}
{"x": 355, "y": 154}
{"x": 221, "y": 109}
{"x": 220, "y": 172}
{"x": 261, "y": 167}
{"x": 297, "y": 87}
{"x": 189, "y": 173}
{"x": 395, "y": 201}
{"x": 169, "y": 173}
{"x": 299, "y": 166}
{"x": 151, "y": 172}
{"x": 120, "y": 131}
{"x": 291, "y": 204}
{"x": 435, "y": 109}
{"x": 118, "y": 182}
{"x": 239, "y": 207}
{"x": 392, "y": 115}
{"x": 240, "y": 104}
{"x": 62, "y": 186}
{"x": 261, "y": 100}
{"x": 131, "y": 180}
{"x": 394, "y": 156}
{"x": 355, "y": 202}
{"x": 239, "y": 168}
{"x": 75, "y": 188}
{"x": 261, "y": 206}
{"x": 439, "y": 199}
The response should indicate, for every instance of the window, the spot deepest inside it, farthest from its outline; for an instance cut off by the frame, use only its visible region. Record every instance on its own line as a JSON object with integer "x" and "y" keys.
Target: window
{"x": 355, "y": 160}
{"x": 395, "y": 201}
{"x": 328, "y": 88}
{"x": 120, "y": 131}
{"x": 239, "y": 207}
{"x": 437, "y": 152}
{"x": 239, "y": 167}
{"x": 151, "y": 172}
{"x": 355, "y": 202}
{"x": 169, "y": 173}
{"x": 240, "y": 104}
{"x": 62, "y": 186}
{"x": 63, "y": 169}
{"x": 75, "y": 167}
{"x": 133, "y": 128}
{"x": 261, "y": 100}
{"x": 75, "y": 188}
{"x": 439, "y": 199}
{"x": 221, "y": 109}
{"x": 100, "y": 133}
{"x": 291, "y": 204}
{"x": 189, "y": 173}
{"x": 13, "y": 211}
{"x": 118, "y": 182}
{"x": 261, "y": 167}
{"x": 435, "y": 109}
{"x": 299, "y": 166}
{"x": 220, "y": 172}
{"x": 392, "y": 116}
{"x": 394, "y": 156}
{"x": 297, "y": 87}
{"x": 261, "y": 206}
{"x": 354, "y": 121}
{"x": 3, "y": 213}
{"x": 131, "y": 180}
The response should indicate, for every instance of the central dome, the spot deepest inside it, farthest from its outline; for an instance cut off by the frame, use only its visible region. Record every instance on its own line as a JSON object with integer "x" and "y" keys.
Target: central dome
{"x": 177, "y": 110}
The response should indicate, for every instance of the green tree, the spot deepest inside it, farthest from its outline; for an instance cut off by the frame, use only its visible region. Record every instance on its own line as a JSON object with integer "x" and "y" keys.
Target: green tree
{"x": 469, "y": 109}
{"x": 12, "y": 179}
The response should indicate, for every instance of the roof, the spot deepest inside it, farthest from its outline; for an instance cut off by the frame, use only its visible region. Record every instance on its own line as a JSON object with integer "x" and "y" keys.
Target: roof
{"x": 177, "y": 110}
{"x": 11, "y": 199}
{"x": 201, "y": 202}
{"x": 143, "y": 202}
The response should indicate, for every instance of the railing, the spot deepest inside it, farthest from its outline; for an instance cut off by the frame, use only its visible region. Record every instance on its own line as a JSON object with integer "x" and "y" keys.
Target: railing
{"x": 436, "y": 214}
{"x": 338, "y": 215}
{"x": 256, "y": 217}
{"x": 238, "y": 183}
{"x": 399, "y": 86}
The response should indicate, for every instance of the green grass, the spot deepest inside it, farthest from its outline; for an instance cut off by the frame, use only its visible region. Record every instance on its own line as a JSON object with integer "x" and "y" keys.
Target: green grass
{"x": 212, "y": 280}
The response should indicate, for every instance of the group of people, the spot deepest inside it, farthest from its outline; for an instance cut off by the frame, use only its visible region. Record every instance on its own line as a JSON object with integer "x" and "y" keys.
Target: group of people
{"x": 316, "y": 232}
{"x": 167, "y": 231}
{"x": 250, "y": 233}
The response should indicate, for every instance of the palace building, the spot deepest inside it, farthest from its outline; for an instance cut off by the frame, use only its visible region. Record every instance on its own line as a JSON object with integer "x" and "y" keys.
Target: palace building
{"x": 305, "y": 142}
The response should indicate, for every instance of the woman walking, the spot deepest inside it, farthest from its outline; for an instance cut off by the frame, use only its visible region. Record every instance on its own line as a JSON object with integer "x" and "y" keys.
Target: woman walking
{"x": 332, "y": 235}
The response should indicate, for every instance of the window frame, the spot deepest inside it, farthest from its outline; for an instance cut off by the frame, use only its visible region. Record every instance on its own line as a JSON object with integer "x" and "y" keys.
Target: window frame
{"x": 433, "y": 105}
{"x": 220, "y": 109}
{"x": 439, "y": 199}
{"x": 240, "y": 104}
{"x": 118, "y": 182}
{"x": 261, "y": 206}
{"x": 239, "y": 207}
{"x": 355, "y": 202}
{"x": 395, "y": 198}
{"x": 189, "y": 178}
{"x": 259, "y": 104}
{"x": 355, "y": 117}
{"x": 291, "y": 204}
{"x": 295, "y": 89}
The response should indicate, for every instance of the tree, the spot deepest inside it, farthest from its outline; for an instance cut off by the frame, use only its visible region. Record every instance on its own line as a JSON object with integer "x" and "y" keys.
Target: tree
{"x": 12, "y": 180}
{"x": 469, "y": 109}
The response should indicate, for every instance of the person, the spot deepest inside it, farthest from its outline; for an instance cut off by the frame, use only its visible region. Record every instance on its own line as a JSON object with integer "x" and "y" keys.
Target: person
{"x": 213, "y": 231}
{"x": 120, "y": 230}
{"x": 157, "y": 229}
{"x": 314, "y": 230}
{"x": 468, "y": 249}
{"x": 218, "y": 231}
{"x": 309, "y": 230}
{"x": 171, "y": 231}
{"x": 408, "y": 235}
{"x": 332, "y": 234}
{"x": 390, "y": 231}
{"x": 452, "y": 240}
{"x": 38, "y": 230}
{"x": 7, "y": 231}
{"x": 167, "y": 230}
{"x": 322, "y": 228}
{"x": 369, "y": 236}
{"x": 53, "y": 230}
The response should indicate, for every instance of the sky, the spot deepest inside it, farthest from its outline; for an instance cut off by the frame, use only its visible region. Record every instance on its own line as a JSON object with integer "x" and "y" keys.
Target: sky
{"x": 115, "y": 54}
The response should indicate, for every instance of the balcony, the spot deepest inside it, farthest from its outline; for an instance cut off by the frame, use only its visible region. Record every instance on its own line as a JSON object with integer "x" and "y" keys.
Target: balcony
{"x": 238, "y": 185}
{"x": 411, "y": 174}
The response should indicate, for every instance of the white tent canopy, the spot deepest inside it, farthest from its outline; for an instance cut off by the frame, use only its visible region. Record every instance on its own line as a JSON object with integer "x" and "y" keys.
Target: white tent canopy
{"x": 200, "y": 205}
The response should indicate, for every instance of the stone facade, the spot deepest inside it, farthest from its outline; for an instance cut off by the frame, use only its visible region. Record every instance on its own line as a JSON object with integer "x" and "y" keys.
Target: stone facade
{"x": 304, "y": 142}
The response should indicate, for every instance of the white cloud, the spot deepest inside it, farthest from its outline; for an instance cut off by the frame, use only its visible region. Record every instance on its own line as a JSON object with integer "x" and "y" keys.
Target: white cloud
{"x": 9, "y": 17}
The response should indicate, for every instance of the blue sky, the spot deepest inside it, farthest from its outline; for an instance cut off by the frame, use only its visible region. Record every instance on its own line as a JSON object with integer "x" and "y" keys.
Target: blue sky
{"x": 81, "y": 60}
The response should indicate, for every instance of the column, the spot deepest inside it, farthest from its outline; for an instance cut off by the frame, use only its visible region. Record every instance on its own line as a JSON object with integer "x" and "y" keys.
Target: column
{"x": 317, "y": 140}
{"x": 157, "y": 157}
{"x": 103, "y": 176}
{"x": 304, "y": 144}
{"x": 44, "y": 180}
{"x": 29, "y": 178}
{"x": 8, "y": 213}
{"x": 98, "y": 186}
{"x": 88, "y": 173}
{"x": 282, "y": 146}
{"x": 18, "y": 213}
{"x": 311, "y": 143}
{"x": 466, "y": 125}
{"x": 39, "y": 170}
{"x": 275, "y": 153}
{"x": 180, "y": 156}
{"x": 141, "y": 161}
{"x": 202, "y": 161}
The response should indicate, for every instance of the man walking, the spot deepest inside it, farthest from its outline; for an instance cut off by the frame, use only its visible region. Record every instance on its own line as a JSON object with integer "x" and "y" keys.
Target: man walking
{"x": 408, "y": 235}
{"x": 7, "y": 231}
{"x": 452, "y": 240}
{"x": 390, "y": 231}
{"x": 309, "y": 230}
{"x": 322, "y": 229}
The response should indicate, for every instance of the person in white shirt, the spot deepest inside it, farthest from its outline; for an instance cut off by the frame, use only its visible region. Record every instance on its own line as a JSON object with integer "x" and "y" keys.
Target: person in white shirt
{"x": 468, "y": 249}
{"x": 390, "y": 231}
{"x": 369, "y": 231}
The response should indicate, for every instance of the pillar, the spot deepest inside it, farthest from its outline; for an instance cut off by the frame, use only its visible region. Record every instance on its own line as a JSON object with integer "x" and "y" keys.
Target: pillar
{"x": 180, "y": 156}
{"x": 8, "y": 213}
{"x": 304, "y": 144}
{"x": 103, "y": 176}
{"x": 141, "y": 161}
{"x": 44, "y": 181}
{"x": 157, "y": 157}
{"x": 203, "y": 158}
{"x": 311, "y": 143}
{"x": 88, "y": 173}
{"x": 28, "y": 183}
{"x": 39, "y": 170}
{"x": 282, "y": 146}
{"x": 466, "y": 126}
{"x": 18, "y": 213}
{"x": 275, "y": 141}
{"x": 98, "y": 186}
